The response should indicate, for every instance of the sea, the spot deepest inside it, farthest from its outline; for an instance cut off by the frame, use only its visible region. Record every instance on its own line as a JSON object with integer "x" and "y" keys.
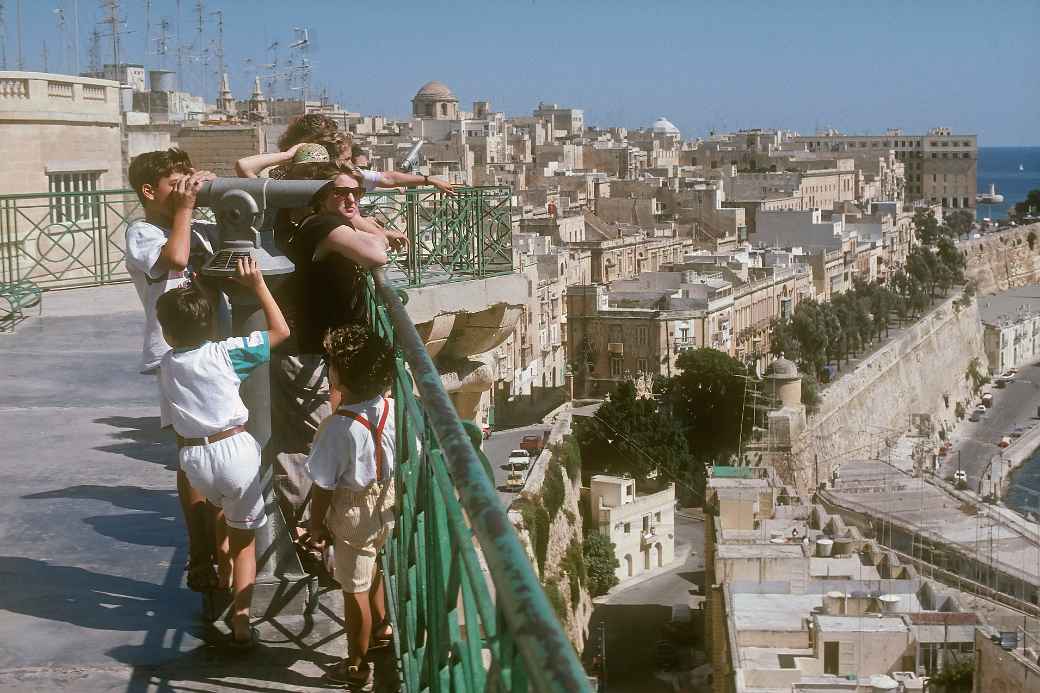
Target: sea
{"x": 1000, "y": 166}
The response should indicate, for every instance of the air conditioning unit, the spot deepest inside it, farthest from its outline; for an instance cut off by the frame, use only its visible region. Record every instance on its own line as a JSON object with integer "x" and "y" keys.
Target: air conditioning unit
{"x": 616, "y": 347}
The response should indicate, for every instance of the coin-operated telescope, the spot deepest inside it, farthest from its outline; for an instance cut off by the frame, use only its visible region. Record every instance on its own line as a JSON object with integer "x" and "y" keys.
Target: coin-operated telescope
{"x": 241, "y": 206}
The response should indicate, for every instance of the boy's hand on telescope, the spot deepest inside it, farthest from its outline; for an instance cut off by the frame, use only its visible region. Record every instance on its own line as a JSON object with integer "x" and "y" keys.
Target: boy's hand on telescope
{"x": 248, "y": 274}
{"x": 186, "y": 189}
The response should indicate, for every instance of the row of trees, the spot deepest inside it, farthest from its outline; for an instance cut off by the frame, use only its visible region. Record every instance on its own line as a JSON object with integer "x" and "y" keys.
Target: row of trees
{"x": 701, "y": 415}
{"x": 818, "y": 333}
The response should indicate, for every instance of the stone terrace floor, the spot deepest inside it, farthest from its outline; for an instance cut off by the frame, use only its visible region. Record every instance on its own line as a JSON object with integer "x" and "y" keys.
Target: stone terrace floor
{"x": 92, "y": 546}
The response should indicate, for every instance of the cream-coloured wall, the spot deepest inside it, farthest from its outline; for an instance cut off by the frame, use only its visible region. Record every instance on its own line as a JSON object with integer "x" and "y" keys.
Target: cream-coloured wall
{"x": 30, "y": 150}
{"x": 57, "y": 123}
{"x": 635, "y": 555}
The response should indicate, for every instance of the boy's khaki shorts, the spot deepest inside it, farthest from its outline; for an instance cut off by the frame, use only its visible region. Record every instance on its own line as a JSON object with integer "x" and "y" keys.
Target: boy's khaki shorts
{"x": 360, "y": 522}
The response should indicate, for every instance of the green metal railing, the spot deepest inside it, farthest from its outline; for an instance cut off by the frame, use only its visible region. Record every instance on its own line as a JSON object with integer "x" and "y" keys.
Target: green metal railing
{"x": 458, "y": 628}
{"x": 64, "y": 240}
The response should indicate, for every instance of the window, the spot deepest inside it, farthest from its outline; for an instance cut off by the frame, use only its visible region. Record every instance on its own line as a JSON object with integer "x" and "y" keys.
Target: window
{"x": 642, "y": 366}
{"x": 641, "y": 335}
{"x": 646, "y": 523}
{"x": 657, "y": 516}
{"x": 73, "y": 208}
{"x": 615, "y": 333}
{"x": 617, "y": 366}
{"x": 628, "y": 528}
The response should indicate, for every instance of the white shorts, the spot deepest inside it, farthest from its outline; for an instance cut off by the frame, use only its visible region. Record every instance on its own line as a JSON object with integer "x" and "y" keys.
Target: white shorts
{"x": 227, "y": 473}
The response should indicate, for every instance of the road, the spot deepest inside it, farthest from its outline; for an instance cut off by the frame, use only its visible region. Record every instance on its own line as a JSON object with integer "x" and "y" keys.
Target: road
{"x": 975, "y": 443}
{"x": 497, "y": 449}
{"x": 636, "y": 615}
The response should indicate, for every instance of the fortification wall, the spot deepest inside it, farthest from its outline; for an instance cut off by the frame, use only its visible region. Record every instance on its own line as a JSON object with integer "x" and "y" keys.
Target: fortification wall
{"x": 1000, "y": 261}
{"x": 920, "y": 372}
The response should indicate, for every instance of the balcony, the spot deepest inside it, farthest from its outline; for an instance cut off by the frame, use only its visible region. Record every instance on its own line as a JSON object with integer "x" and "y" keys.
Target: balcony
{"x": 647, "y": 537}
{"x": 467, "y": 608}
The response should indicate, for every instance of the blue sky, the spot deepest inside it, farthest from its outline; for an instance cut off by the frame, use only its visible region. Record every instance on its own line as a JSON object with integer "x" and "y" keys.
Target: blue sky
{"x": 801, "y": 64}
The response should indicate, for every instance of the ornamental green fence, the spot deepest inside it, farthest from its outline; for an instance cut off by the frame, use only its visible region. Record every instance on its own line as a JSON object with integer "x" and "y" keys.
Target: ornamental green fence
{"x": 468, "y": 611}
{"x": 65, "y": 240}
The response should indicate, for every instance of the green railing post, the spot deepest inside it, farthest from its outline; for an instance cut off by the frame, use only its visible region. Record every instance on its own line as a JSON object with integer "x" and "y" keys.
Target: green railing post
{"x": 459, "y": 502}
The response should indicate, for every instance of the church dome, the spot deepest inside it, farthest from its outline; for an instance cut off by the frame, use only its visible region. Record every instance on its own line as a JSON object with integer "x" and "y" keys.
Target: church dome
{"x": 663, "y": 126}
{"x": 782, "y": 368}
{"x": 436, "y": 90}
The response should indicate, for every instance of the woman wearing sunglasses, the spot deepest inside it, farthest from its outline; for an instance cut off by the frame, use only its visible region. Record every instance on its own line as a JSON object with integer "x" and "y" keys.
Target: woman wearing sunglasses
{"x": 333, "y": 249}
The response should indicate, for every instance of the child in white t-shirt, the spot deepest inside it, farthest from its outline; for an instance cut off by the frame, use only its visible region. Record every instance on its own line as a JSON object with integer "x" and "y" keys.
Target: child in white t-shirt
{"x": 163, "y": 248}
{"x": 199, "y": 393}
{"x": 161, "y": 251}
{"x": 352, "y": 500}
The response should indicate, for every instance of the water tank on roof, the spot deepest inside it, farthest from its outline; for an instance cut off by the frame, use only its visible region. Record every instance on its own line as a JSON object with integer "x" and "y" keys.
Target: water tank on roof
{"x": 834, "y": 603}
{"x": 842, "y": 546}
{"x": 824, "y": 547}
{"x": 888, "y": 603}
{"x": 162, "y": 80}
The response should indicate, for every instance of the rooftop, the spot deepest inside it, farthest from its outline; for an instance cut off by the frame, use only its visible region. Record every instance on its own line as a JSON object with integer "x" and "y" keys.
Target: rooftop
{"x": 1009, "y": 305}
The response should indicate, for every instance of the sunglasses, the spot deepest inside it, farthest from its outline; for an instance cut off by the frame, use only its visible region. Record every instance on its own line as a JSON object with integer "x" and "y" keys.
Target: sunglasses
{"x": 344, "y": 191}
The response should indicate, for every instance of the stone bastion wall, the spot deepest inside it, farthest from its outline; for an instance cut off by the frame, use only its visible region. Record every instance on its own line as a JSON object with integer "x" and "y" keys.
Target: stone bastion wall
{"x": 1004, "y": 260}
{"x": 920, "y": 372}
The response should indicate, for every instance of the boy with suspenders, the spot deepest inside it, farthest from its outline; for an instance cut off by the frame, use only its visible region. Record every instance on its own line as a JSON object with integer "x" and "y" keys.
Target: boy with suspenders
{"x": 352, "y": 502}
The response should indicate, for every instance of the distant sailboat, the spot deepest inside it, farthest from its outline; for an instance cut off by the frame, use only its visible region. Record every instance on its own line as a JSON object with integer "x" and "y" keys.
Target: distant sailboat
{"x": 1021, "y": 167}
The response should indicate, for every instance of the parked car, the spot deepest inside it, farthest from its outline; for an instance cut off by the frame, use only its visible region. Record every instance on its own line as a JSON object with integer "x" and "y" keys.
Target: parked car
{"x": 960, "y": 476}
{"x": 515, "y": 479}
{"x": 1004, "y": 442}
{"x": 1008, "y": 374}
{"x": 987, "y": 399}
{"x": 533, "y": 444}
{"x": 519, "y": 459}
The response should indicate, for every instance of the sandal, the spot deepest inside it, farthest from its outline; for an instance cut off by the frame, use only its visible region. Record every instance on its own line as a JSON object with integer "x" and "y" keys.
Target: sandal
{"x": 382, "y": 636}
{"x": 312, "y": 557}
{"x": 244, "y": 645}
{"x": 343, "y": 673}
{"x": 202, "y": 576}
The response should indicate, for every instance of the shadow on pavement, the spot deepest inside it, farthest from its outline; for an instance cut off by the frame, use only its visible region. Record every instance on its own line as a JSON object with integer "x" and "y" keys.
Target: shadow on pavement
{"x": 145, "y": 440}
{"x": 157, "y": 522}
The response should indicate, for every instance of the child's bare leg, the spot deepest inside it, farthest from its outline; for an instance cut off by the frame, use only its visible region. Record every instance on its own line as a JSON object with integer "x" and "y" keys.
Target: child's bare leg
{"x": 197, "y": 516}
{"x": 377, "y": 602}
{"x": 243, "y": 554}
{"x": 224, "y": 569}
{"x": 193, "y": 505}
{"x": 359, "y": 624}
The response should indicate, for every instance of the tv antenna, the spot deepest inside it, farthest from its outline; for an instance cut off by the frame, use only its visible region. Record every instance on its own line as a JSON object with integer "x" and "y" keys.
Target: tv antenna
{"x": 3, "y": 38}
{"x": 114, "y": 22}
{"x": 220, "y": 43}
{"x": 94, "y": 52}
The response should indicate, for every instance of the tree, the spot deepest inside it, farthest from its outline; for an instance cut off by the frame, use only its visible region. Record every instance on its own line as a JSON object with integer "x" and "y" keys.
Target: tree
{"x": 1031, "y": 239}
{"x": 708, "y": 399}
{"x": 634, "y": 437}
{"x": 782, "y": 339}
{"x": 600, "y": 562}
{"x": 926, "y": 227}
{"x": 960, "y": 223}
{"x": 1030, "y": 205}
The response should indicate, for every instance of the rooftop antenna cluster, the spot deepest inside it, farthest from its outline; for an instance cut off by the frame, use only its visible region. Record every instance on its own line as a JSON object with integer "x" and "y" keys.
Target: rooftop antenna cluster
{"x": 3, "y": 38}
